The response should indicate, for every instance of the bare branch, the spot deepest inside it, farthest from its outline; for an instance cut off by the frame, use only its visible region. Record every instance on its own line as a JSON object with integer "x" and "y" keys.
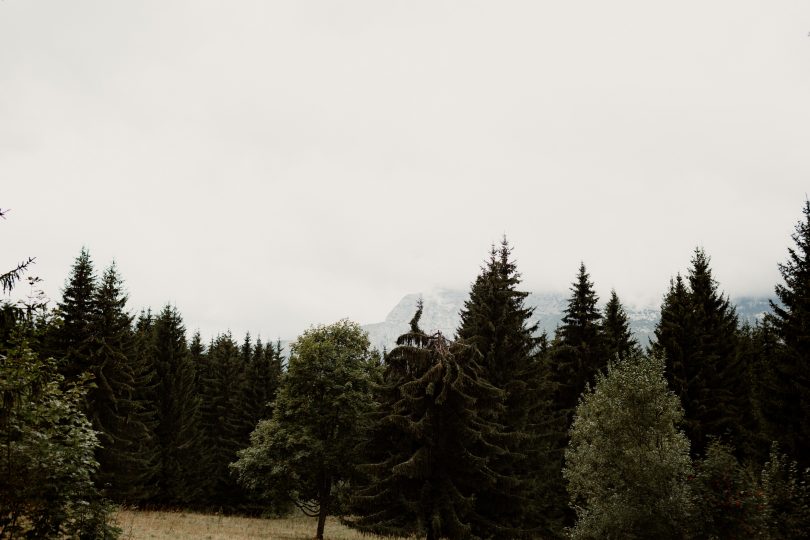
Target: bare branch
{"x": 9, "y": 279}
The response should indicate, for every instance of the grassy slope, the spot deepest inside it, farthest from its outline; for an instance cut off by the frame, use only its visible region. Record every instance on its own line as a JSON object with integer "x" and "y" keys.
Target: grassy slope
{"x": 142, "y": 525}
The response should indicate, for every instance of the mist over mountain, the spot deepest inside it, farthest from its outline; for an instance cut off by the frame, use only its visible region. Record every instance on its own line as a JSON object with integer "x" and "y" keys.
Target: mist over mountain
{"x": 442, "y": 309}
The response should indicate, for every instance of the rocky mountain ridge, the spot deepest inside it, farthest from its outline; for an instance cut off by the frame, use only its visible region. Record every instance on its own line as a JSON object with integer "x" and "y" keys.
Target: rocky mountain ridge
{"x": 443, "y": 306}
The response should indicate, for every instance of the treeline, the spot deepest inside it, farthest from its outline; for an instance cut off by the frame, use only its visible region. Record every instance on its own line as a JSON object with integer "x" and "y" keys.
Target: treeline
{"x": 170, "y": 413}
{"x": 496, "y": 432}
{"x": 502, "y": 433}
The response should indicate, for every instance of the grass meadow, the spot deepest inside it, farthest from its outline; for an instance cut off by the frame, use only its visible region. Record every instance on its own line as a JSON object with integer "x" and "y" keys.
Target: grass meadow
{"x": 158, "y": 525}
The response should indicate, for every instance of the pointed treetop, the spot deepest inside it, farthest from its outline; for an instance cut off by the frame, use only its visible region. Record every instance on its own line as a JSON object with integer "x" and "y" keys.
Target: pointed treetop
{"x": 581, "y": 311}
{"x": 619, "y": 339}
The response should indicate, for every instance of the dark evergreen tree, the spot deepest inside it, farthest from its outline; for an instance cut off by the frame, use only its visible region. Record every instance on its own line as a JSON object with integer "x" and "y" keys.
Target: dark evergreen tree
{"x": 432, "y": 445}
{"x": 578, "y": 352}
{"x": 496, "y": 322}
{"x": 575, "y": 356}
{"x": 226, "y": 426}
{"x": 618, "y": 339}
{"x": 121, "y": 418}
{"x": 71, "y": 336}
{"x": 263, "y": 375}
{"x": 697, "y": 334}
{"x": 146, "y": 393}
{"x": 789, "y": 407}
{"x": 246, "y": 350}
{"x": 178, "y": 431}
{"x": 197, "y": 355}
{"x": 757, "y": 348}
{"x": 674, "y": 339}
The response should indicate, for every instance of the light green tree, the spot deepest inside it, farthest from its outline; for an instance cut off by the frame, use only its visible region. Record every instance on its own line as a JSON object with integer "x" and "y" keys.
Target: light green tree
{"x": 627, "y": 463}
{"x": 307, "y": 450}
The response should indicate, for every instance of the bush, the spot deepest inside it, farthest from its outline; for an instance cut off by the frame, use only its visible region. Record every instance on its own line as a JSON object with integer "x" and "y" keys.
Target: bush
{"x": 730, "y": 502}
{"x": 787, "y": 493}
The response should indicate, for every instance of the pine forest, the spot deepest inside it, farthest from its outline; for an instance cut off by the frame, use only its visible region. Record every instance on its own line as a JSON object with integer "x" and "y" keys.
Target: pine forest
{"x": 500, "y": 431}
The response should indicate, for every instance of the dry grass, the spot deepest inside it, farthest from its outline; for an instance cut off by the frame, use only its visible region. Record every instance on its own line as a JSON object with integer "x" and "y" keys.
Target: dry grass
{"x": 148, "y": 525}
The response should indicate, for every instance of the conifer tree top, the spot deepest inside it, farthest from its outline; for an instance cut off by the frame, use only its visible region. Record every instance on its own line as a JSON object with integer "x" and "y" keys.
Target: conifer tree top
{"x": 581, "y": 316}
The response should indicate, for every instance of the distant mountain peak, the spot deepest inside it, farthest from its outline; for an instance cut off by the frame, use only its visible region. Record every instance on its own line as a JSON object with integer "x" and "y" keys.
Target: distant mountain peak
{"x": 442, "y": 309}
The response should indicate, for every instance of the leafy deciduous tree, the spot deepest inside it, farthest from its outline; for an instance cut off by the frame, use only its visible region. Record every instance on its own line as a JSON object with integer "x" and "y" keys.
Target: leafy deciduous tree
{"x": 308, "y": 447}
{"x": 627, "y": 464}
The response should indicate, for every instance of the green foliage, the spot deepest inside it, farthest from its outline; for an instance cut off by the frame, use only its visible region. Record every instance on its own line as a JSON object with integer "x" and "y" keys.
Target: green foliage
{"x": 787, "y": 492}
{"x": 576, "y": 355}
{"x": 46, "y": 454}
{"x": 72, "y": 335}
{"x": 432, "y": 443}
{"x": 124, "y": 420}
{"x": 698, "y": 336}
{"x": 759, "y": 348}
{"x": 618, "y": 339}
{"x": 730, "y": 503}
{"x": 578, "y": 351}
{"x": 789, "y": 409}
{"x": 178, "y": 430}
{"x": 307, "y": 449}
{"x": 225, "y": 417}
{"x": 627, "y": 464}
{"x": 9, "y": 279}
{"x": 263, "y": 375}
{"x": 496, "y": 322}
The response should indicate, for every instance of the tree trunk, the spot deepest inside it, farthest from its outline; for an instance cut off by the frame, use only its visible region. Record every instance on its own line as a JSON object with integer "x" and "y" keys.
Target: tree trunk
{"x": 325, "y": 499}
{"x": 321, "y": 522}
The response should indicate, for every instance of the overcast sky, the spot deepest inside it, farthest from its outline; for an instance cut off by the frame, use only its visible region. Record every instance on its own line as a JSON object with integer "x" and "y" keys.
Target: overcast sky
{"x": 270, "y": 165}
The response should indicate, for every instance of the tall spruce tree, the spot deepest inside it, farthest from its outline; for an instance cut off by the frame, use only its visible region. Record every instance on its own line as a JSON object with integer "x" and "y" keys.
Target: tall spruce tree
{"x": 496, "y": 322}
{"x": 578, "y": 352}
{"x": 576, "y": 355}
{"x": 263, "y": 375}
{"x": 71, "y": 336}
{"x": 145, "y": 392}
{"x": 698, "y": 336}
{"x": 121, "y": 418}
{"x": 789, "y": 407}
{"x": 618, "y": 339}
{"x": 178, "y": 431}
{"x": 224, "y": 418}
{"x": 433, "y": 442}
